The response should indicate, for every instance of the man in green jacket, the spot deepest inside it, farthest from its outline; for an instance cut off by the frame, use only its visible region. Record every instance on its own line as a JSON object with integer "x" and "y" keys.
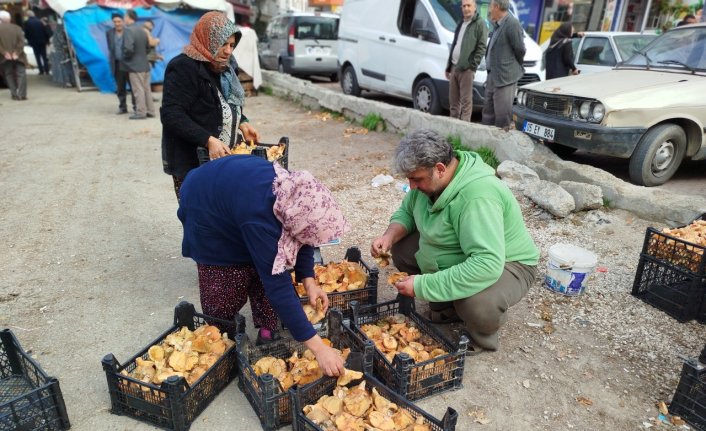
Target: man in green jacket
{"x": 466, "y": 53}
{"x": 460, "y": 235}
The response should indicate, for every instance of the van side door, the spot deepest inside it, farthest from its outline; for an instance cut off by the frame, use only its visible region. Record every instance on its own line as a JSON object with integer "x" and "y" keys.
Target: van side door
{"x": 376, "y": 33}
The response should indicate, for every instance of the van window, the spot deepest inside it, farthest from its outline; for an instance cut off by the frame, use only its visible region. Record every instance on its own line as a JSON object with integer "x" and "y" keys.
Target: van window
{"x": 316, "y": 27}
{"x": 449, "y": 12}
{"x": 414, "y": 20}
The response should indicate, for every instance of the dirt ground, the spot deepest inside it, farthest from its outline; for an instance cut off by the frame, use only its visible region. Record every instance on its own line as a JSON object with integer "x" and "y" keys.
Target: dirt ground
{"x": 92, "y": 265}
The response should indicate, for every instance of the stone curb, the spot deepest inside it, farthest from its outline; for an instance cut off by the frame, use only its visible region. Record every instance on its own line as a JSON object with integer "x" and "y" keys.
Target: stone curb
{"x": 648, "y": 203}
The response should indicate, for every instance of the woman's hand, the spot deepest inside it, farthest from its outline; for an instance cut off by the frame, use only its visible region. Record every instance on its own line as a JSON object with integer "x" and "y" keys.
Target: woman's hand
{"x": 249, "y": 133}
{"x": 329, "y": 360}
{"x": 216, "y": 148}
{"x": 314, "y": 292}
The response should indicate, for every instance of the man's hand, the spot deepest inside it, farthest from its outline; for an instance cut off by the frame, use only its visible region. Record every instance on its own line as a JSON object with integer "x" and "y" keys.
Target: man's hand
{"x": 406, "y": 286}
{"x": 379, "y": 245}
{"x": 448, "y": 75}
{"x": 249, "y": 133}
{"x": 314, "y": 292}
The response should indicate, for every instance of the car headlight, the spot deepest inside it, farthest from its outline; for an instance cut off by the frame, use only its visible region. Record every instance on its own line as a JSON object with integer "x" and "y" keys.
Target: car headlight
{"x": 598, "y": 112}
{"x": 520, "y": 97}
{"x": 585, "y": 109}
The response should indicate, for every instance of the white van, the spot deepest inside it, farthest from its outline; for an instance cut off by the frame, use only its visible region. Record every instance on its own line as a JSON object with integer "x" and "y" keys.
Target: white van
{"x": 400, "y": 48}
{"x": 301, "y": 44}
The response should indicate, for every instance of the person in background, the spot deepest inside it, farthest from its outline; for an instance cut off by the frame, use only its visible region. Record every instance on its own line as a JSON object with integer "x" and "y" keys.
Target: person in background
{"x": 114, "y": 37}
{"x": 688, "y": 19}
{"x": 460, "y": 235}
{"x": 202, "y": 101}
{"x": 152, "y": 56}
{"x": 246, "y": 222}
{"x": 12, "y": 57}
{"x": 466, "y": 53}
{"x": 38, "y": 34}
{"x": 135, "y": 47}
{"x": 506, "y": 51}
{"x": 560, "y": 53}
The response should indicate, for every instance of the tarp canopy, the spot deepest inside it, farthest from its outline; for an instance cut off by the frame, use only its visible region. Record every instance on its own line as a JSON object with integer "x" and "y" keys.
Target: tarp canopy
{"x": 87, "y": 29}
{"x": 63, "y": 6}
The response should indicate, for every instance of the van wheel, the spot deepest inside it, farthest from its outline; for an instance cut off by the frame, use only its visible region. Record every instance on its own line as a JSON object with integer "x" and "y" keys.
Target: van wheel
{"x": 426, "y": 98}
{"x": 349, "y": 83}
{"x": 658, "y": 155}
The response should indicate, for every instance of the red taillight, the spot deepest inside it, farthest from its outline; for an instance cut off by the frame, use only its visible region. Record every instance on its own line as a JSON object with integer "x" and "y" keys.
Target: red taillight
{"x": 290, "y": 45}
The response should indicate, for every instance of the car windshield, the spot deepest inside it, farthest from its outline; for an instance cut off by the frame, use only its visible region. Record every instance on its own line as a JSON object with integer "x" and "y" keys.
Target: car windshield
{"x": 317, "y": 27}
{"x": 683, "y": 48}
{"x": 448, "y": 12}
{"x": 628, "y": 45}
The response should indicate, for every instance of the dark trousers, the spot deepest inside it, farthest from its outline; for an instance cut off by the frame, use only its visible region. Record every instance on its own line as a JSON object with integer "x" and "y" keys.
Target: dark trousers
{"x": 497, "y": 110}
{"x": 40, "y": 54}
{"x": 122, "y": 79}
{"x": 16, "y": 78}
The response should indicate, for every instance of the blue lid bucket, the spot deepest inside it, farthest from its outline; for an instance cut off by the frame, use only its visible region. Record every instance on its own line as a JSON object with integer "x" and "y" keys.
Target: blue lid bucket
{"x": 568, "y": 269}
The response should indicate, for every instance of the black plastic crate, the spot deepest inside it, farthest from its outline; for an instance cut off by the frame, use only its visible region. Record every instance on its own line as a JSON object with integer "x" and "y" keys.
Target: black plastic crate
{"x": 410, "y": 380}
{"x": 309, "y": 394}
{"x": 174, "y": 404}
{"x": 368, "y": 295}
{"x": 675, "y": 251}
{"x": 265, "y": 394}
{"x": 29, "y": 399}
{"x": 689, "y": 400}
{"x": 260, "y": 150}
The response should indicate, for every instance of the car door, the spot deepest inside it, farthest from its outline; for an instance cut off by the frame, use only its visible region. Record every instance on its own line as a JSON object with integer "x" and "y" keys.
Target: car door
{"x": 596, "y": 54}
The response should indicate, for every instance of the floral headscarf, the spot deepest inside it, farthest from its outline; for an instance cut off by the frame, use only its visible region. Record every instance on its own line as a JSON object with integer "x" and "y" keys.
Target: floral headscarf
{"x": 308, "y": 213}
{"x": 210, "y": 33}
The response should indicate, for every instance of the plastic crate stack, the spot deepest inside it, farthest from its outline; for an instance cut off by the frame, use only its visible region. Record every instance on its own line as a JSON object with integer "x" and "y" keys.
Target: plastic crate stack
{"x": 173, "y": 405}
{"x": 689, "y": 401}
{"x": 671, "y": 276}
{"x": 368, "y": 295}
{"x": 265, "y": 394}
{"x": 29, "y": 399}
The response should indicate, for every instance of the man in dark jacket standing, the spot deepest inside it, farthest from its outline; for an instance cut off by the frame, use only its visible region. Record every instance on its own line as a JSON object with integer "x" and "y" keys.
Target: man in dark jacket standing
{"x": 506, "y": 50}
{"x": 466, "y": 54}
{"x": 114, "y": 37}
{"x": 37, "y": 36}
{"x": 12, "y": 56}
{"x": 135, "y": 47}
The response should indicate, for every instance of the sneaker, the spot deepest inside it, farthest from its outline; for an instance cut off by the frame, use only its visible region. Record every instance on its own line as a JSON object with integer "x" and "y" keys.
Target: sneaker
{"x": 266, "y": 336}
{"x": 137, "y": 117}
{"x": 121, "y": 112}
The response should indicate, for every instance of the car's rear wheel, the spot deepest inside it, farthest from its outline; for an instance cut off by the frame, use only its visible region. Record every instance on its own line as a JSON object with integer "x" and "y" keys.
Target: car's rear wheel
{"x": 561, "y": 150}
{"x": 658, "y": 155}
{"x": 349, "y": 82}
{"x": 426, "y": 97}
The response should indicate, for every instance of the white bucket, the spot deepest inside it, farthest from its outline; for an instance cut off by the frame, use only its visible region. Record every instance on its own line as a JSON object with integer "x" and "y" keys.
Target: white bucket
{"x": 568, "y": 269}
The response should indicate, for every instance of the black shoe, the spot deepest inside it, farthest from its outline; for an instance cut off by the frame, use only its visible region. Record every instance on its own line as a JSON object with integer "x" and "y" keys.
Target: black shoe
{"x": 121, "y": 112}
{"x": 137, "y": 117}
{"x": 22, "y": 98}
{"x": 261, "y": 340}
{"x": 15, "y": 98}
{"x": 150, "y": 115}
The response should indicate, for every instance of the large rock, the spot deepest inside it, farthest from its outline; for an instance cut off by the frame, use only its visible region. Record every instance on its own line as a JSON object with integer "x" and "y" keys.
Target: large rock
{"x": 551, "y": 197}
{"x": 586, "y": 196}
{"x": 517, "y": 176}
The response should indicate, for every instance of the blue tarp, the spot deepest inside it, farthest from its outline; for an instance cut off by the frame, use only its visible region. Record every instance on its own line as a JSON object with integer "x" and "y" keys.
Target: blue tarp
{"x": 87, "y": 26}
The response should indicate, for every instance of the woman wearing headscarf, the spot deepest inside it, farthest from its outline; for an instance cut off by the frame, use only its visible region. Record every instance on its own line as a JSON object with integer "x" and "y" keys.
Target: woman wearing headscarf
{"x": 560, "y": 53}
{"x": 246, "y": 222}
{"x": 202, "y": 102}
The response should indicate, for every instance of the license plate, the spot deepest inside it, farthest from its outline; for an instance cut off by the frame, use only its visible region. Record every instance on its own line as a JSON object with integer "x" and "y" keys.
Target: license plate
{"x": 538, "y": 131}
{"x": 314, "y": 50}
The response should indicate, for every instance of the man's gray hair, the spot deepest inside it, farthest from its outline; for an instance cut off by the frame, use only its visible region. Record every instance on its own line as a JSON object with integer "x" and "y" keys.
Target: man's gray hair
{"x": 503, "y": 5}
{"x": 5, "y": 16}
{"x": 423, "y": 148}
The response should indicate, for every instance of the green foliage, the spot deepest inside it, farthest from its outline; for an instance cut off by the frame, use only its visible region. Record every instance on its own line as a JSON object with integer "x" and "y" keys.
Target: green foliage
{"x": 485, "y": 153}
{"x": 267, "y": 90}
{"x": 334, "y": 114}
{"x": 607, "y": 202}
{"x": 373, "y": 121}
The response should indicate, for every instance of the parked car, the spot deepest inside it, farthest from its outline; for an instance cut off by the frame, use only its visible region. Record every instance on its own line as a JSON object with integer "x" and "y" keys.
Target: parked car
{"x": 400, "y": 48}
{"x": 301, "y": 44}
{"x": 650, "y": 109}
{"x": 599, "y": 51}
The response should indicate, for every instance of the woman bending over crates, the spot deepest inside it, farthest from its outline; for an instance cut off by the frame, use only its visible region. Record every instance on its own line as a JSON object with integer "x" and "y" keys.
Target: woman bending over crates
{"x": 459, "y": 233}
{"x": 246, "y": 222}
{"x": 203, "y": 100}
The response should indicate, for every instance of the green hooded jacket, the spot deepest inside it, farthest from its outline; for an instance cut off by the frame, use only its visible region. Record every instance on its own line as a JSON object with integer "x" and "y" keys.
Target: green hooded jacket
{"x": 467, "y": 235}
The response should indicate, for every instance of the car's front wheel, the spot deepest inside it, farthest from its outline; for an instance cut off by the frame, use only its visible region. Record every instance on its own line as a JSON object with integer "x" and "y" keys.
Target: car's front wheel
{"x": 349, "y": 82}
{"x": 426, "y": 97}
{"x": 658, "y": 155}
